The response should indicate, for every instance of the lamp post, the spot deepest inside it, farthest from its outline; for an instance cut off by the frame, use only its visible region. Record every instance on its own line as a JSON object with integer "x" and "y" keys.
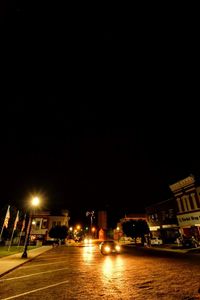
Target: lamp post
{"x": 35, "y": 202}
{"x": 118, "y": 229}
{"x": 91, "y": 214}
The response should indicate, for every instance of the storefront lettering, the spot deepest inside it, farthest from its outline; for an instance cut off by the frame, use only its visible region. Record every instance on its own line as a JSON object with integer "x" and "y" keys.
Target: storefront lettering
{"x": 185, "y": 219}
{"x": 193, "y": 218}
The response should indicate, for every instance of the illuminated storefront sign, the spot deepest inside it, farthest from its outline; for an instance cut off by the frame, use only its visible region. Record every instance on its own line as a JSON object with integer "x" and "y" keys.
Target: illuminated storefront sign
{"x": 153, "y": 228}
{"x": 189, "y": 219}
{"x": 169, "y": 226}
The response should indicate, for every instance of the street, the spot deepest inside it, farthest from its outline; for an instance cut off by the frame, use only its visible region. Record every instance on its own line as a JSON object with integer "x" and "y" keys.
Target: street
{"x": 84, "y": 273}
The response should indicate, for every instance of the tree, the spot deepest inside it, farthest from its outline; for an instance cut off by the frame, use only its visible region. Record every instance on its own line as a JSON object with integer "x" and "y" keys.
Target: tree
{"x": 58, "y": 232}
{"x": 137, "y": 228}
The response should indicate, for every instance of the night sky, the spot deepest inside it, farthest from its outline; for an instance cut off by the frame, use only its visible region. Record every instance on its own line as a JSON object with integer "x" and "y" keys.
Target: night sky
{"x": 118, "y": 127}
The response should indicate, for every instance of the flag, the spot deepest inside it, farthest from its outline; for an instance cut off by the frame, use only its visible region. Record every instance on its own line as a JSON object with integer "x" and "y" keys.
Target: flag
{"x": 16, "y": 221}
{"x": 7, "y": 217}
{"x": 23, "y": 223}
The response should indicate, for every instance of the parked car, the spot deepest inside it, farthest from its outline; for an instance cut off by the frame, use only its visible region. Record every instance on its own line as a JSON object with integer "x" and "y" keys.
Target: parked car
{"x": 70, "y": 242}
{"x": 190, "y": 242}
{"x": 156, "y": 241}
{"x": 109, "y": 247}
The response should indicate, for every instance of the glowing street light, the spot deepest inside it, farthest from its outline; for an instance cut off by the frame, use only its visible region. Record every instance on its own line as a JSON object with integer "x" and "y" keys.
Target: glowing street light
{"x": 118, "y": 230}
{"x": 93, "y": 231}
{"x": 34, "y": 203}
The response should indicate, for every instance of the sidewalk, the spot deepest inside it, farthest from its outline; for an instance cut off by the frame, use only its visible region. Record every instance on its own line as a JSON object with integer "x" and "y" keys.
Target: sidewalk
{"x": 11, "y": 262}
{"x": 168, "y": 248}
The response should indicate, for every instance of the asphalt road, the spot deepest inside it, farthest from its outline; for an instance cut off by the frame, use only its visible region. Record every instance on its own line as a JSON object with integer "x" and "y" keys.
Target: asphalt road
{"x": 83, "y": 273}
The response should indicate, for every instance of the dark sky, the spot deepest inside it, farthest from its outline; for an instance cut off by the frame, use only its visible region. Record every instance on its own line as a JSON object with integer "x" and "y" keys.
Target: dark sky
{"x": 103, "y": 112}
{"x": 94, "y": 156}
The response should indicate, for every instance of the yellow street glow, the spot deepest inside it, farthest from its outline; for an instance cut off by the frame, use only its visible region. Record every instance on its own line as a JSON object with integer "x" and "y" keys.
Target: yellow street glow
{"x": 117, "y": 248}
{"x": 35, "y": 201}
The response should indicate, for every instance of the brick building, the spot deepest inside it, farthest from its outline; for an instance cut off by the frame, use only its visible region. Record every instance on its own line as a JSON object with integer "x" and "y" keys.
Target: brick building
{"x": 43, "y": 221}
{"x": 187, "y": 197}
{"x": 162, "y": 220}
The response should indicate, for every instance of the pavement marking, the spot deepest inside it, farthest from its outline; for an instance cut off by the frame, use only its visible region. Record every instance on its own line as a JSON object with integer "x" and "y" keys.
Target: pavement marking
{"x": 36, "y": 290}
{"x": 34, "y": 274}
{"x": 37, "y": 265}
{"x": 52, "y": 257}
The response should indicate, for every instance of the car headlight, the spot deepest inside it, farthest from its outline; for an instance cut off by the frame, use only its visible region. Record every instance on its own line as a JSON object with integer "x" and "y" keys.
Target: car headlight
{"x": 107, "y": 248}
{"x": 118, "y": 248}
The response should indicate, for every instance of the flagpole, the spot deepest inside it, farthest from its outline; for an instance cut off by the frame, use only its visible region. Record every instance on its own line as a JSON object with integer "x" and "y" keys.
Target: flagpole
{"x": 1, "y": 232}
{"x": 11, "y": 239}
{"x": 7, "y": 217}
{"x": 14, "y": 228}
{"x": 23, "y": 226}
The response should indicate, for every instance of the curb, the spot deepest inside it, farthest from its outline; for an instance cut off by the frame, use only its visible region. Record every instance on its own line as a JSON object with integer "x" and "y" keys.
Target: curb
{"x": 22, "y": 262}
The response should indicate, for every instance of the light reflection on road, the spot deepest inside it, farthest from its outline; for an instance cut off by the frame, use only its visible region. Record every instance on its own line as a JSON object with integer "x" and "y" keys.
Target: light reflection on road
{"x": 107, "y": 267}
{"x": 112, "y": 273}
{"x": 88, "y": 253}
{"x": 113, "y": 265}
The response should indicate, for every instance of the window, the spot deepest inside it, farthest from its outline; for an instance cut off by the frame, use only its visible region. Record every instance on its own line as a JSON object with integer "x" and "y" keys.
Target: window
{"x": 44, "y": 223}
{"x": 56, "y": 223}
{"x": 171, "y": 213}
{"x": 37, "y": 225}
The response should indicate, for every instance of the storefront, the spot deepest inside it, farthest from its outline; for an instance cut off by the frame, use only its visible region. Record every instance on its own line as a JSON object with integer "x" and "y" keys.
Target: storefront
{"x": 162, "y": 220}
{"x": 190, "y": 224}
{"x": 187, "y": 196}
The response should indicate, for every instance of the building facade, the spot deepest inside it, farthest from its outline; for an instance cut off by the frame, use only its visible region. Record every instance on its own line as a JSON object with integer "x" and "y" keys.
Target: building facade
{"x": 179, "y": 215}
{"x": 43, "y": 221}
{"x": 102, "y": 224}
{"x": 187, "y": 197}
{"x": 162, "y": 220}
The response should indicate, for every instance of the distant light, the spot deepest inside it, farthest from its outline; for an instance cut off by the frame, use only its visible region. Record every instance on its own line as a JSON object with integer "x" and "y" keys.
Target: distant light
{"x": 118, "y": 248}
{"x": 70, "y": 228}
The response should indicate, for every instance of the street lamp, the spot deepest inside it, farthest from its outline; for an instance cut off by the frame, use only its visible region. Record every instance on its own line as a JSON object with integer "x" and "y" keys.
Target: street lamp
{"x": 118, "y": 229}
{"x": 78, "y": 227}
{"x": 93, "y": 231}
{"x": 34, "y": 203}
